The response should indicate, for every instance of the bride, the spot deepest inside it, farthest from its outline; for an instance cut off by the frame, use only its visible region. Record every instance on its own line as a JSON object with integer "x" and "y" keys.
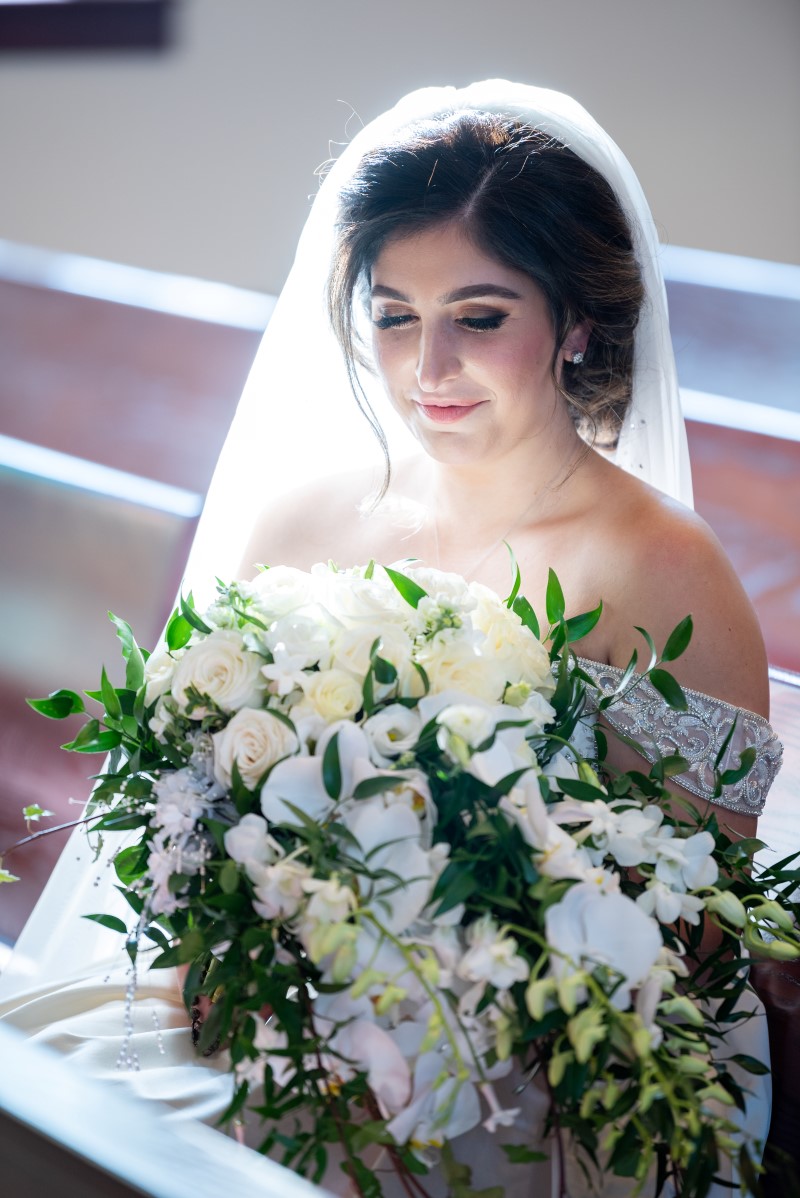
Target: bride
{"x": 487, "y": 261}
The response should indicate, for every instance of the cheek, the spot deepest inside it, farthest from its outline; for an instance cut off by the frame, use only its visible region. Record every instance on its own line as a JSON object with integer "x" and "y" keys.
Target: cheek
{"x": 388, "y": 356}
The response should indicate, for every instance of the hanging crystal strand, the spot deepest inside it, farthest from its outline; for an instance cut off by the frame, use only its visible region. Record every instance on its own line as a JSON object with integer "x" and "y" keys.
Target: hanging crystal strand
{"x": 128, "y": 1057}
{"x": 159, "y": 1037}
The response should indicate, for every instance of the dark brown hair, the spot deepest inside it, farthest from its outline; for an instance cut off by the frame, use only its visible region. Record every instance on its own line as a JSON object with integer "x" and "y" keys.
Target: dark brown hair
{"x": 527, "y": 201}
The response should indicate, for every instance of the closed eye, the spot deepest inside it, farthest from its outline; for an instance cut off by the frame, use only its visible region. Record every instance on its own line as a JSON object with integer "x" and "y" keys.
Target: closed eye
{"x": 482, "y": 324}
{"x": 476, "y": 324}
{"x": 392, "y": 322}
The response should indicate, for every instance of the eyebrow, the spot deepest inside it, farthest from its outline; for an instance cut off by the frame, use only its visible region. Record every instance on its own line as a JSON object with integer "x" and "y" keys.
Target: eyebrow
{"x": 473, "y": 291}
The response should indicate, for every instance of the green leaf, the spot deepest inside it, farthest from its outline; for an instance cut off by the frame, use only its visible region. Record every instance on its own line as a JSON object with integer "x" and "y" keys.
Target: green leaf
{"x": 580, "y": 626}
{"x": 370, "y": 570}
{"x": 331, "y": 768}
{"x": 517, "y": 577}
{"x": 650, "y": 645}
{"x": 454, "y": 887}
{"x": 190, "y": 615}
{"x": 669, "y": 689}
{"x": 34, "y": 812}
{"x": 554, "y": 598}
{"x": 678, "y": 639}
{"x": 134, "y": 660}
{"x": 746, "y": 760}
{"x": 58, "y": 705}
{"x": 385, "y": 673}
{"x": 109, "y": 921}
{"x": 409, "y": 590}
{"x": 91, "y": 740}
{"x": 130, "y": 862}
{"x": 109, "y": 697}
{"x": 178, "y": 633}
{"x": 191, "y": 945}
{"x": 375, "y": 786}
{"x": 520, "y": 1154}
{"x": 523, "y": 609}
{"x": 750, "y": 1064}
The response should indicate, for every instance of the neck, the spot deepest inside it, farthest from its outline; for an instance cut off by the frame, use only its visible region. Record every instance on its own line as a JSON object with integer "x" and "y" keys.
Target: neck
{"x": 503, "y": 492}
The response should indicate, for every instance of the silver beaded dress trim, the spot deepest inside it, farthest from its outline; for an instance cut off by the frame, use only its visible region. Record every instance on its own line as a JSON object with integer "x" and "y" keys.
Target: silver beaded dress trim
{"x": 696, "y": 734}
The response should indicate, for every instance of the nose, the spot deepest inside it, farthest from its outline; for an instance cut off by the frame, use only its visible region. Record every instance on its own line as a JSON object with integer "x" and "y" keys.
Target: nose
{"x": 438, "y": 359}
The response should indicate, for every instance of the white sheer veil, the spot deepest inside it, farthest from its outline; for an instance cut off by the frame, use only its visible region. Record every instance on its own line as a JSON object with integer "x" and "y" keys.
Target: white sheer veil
{"x": 297, "y": 420}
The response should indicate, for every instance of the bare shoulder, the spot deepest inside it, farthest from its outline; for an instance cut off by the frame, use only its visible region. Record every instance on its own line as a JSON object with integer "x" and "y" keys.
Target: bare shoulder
{"x": 667, "y": 563}
{"x": 313, "y": 523}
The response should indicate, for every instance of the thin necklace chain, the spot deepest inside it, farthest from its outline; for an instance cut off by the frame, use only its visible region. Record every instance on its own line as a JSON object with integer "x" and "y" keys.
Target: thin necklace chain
{"x": 469, "y": 573}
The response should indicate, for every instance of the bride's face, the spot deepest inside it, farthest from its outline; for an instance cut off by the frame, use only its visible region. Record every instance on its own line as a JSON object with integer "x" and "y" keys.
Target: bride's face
{"x": 464, "y": 346}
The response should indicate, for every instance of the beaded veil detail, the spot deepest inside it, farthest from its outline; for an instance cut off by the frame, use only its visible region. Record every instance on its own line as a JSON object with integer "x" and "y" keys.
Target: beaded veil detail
{"x": 697, "y": 735}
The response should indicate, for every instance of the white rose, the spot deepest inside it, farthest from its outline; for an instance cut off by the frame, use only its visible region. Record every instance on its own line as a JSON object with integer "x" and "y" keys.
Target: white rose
{"x": 220, "y": 667}
{"x": 356, "y": 600}
{"x": 445, "y": 589}
{"x": 332, "y": 694}
{"x": 158, "y": 671}
{"x": 510, "y": 642}
{"x": 352, "y": 647}
{"x": 255, "y": 740}
{"x": 281, "y": 589}
{"x": 452, "y": 663}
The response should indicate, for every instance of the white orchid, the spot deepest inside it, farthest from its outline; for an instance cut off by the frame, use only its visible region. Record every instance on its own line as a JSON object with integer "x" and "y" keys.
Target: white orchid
{"x": 492, "y": 957}
{"x": 590, "y": 928}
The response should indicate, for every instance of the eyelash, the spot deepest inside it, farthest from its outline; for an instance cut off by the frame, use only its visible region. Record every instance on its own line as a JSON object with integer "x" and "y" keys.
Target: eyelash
{"x": 475, "y": 324}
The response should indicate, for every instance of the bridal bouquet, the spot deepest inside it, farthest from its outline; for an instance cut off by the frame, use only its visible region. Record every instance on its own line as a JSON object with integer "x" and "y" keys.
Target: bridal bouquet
{"x": 369, "y": 811}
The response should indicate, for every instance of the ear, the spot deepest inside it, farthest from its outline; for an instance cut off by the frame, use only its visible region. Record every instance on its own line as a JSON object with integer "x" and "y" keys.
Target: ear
{"x": 576, "y": 340}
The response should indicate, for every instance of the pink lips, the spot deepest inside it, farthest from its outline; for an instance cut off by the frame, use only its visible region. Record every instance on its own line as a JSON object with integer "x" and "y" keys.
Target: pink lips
{"x": 448, "y": 413}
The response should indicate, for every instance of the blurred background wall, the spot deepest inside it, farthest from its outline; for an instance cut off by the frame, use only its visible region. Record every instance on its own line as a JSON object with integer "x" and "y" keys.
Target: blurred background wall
{"x": 198, "y": 159}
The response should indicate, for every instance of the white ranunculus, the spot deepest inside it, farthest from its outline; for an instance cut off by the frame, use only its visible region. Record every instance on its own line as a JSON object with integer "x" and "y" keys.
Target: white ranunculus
{"x": 332, "y": 694}
{"x": 248, "y": 842}
{"x": 279, "y": 893}
{"x": 221, "y": 668}
{"x": 590, "y": 927}
{"x": 158, "y": 671}
{"x": 255, "y": 740}
{"x": 391, "y": 732}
